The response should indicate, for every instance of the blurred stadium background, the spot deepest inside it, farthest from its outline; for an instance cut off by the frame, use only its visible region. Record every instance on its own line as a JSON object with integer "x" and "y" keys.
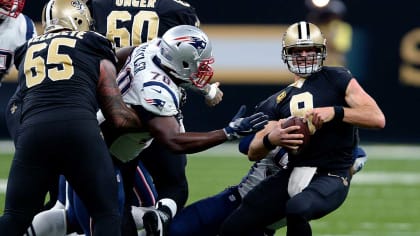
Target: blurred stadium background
{"x": 384, "y": 56}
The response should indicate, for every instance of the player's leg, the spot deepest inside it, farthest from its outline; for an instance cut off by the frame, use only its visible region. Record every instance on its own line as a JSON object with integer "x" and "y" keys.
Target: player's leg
{"x": 144, "y": 191}
{"x": 262, "y": 206}
{"x": 13, "y": 114}
{"x": 30, "y": 175}
{"x": 168, "y": 172}
{"x": 204, "y": 217}
{"x": 77, "y": 209}
{"x": 90, "y": 171}
{"x": 131, "y": 197}
{"x": 322, "y": 196}
{"x": 58, "y": 220}
{"x": 144, "y": 195}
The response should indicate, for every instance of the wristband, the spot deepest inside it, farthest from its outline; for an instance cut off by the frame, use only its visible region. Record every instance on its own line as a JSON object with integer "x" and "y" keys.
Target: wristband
{"x": 339, "y": 113}
{"x": 212, "y": 92}
{"x": 267, "y": 144}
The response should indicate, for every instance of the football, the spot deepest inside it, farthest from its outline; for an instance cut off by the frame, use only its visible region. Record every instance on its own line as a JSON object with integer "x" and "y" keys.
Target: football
{"x": 304, "y": 129}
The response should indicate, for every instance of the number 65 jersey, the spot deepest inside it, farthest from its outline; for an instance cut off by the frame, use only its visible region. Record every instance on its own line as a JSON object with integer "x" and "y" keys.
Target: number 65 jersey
{"x": 148, "y": 90}
{"x": 59, "y": 72}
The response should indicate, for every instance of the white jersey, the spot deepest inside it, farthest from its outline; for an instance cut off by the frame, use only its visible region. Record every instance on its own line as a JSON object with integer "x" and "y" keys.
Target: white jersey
{"x": 143, "y": 83}
{"x": 13, "y": 33}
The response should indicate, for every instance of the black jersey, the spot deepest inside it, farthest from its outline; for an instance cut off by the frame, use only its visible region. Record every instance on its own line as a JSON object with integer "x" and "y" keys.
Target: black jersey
{"x": 331, "y": 146}
{"x": 130, "y": 23}
{"x": 59, "y": 72}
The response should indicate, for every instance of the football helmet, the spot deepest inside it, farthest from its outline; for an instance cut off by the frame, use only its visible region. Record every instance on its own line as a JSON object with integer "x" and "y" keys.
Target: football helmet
{"x": 11, "y": 8}
{"x": 66, "y": 14}
{"x": 187, "y": 52}
{"x": 304, "y": 48}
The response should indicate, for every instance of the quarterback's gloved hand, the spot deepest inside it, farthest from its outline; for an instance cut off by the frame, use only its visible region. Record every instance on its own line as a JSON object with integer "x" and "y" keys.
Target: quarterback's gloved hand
{"x": 360, "y": 160}
{"x": 243, "y": 126}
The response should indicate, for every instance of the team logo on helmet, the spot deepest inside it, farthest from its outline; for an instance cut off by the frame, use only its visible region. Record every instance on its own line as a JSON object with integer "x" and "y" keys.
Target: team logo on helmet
{"x": 77, "y": 4}
{"x": 196, "y": 42}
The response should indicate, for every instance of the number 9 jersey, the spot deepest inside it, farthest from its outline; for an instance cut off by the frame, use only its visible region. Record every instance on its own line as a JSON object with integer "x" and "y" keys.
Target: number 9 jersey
{"x": 133, "y": 22}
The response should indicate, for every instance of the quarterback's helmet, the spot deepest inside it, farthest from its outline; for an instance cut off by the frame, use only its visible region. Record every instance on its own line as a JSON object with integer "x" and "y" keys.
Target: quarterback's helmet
{"x": 11, "y": 8}
{"x": 66, "y": 14}
{"x": 301, "y": 38}
{"x": 187, "y": 52}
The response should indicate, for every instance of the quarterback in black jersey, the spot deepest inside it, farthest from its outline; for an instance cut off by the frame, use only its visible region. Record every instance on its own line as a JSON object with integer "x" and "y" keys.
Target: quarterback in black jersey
{"x": 317, "y": 179}
{"x": 65, "y": 75}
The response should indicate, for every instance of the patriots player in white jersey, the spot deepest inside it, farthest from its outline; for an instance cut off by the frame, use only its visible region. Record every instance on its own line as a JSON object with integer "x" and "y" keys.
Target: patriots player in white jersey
{"x": 15, "y": 29}
{"x": 152, "y": 82}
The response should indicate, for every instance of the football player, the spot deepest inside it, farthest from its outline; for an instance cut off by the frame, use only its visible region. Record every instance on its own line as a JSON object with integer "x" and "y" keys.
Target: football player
{"x": 205, "y": 216}
{"x": 65, "y": 75}
{"x": 136, "y": 22}
{"x": 152, "y": 82}
{"x": 15, "y": 29}
{"x": 317, "y": 179}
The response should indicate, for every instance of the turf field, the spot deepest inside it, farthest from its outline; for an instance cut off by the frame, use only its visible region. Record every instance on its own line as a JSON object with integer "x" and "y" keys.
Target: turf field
{"x": 383, "y": 200}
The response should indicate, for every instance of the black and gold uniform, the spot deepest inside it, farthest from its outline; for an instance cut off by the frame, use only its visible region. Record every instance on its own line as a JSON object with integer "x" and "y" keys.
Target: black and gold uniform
{"x": 130, "y": 23}
{"x": 59, "y": 133}
{"x": 331, "y": 147}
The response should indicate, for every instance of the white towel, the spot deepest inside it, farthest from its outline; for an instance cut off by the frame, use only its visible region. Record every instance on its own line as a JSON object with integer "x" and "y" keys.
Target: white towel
{"x": 299, "y": 179}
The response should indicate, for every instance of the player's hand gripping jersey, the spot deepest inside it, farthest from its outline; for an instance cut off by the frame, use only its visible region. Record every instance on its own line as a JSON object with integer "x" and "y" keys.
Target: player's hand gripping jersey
{"x": 147, "y": 89}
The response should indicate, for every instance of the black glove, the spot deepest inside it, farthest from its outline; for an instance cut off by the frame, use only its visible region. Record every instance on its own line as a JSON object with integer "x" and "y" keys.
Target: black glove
{"x": 243, "y": 126}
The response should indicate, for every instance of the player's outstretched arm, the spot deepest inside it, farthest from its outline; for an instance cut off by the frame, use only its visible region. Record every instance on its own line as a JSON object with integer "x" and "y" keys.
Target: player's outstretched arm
{"x": 166, "y": 131}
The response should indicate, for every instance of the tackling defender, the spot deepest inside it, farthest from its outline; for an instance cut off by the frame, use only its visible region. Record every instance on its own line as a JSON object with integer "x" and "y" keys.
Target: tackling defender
{"x": 67, "y": 70}
{"x": 131, "y": 24}
{"x": 151, "y": 83}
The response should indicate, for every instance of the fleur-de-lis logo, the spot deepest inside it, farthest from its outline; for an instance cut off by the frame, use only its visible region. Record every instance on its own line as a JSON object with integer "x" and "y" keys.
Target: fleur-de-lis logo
{"x": 77, "y": 4}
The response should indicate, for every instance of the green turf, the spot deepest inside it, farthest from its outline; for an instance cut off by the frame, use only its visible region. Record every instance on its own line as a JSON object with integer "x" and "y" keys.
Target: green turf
{"x": 370, "y": 209}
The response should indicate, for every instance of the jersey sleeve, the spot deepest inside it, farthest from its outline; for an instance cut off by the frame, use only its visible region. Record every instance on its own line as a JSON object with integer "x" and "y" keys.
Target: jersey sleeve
{"x": 173, "y": 13}
{"x": 269, "y": 106}
{"x": 341, "y": 76}
{"x": 103, "y": 47}
{"x": 159, "y": 99}
{"x": 19, "y": 54}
